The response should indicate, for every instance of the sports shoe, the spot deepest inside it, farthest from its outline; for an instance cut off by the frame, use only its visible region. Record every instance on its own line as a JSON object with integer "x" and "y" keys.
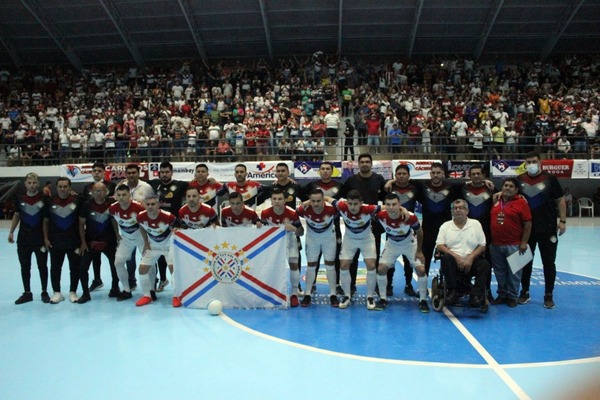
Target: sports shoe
{"x": 476, "y": 301}
{"x": 143, "y": 301}
{"x": 114, "y": 293}
{"x": 133, "y": 286}
{"x": 548, "y": 301}
{"x": 73, "y": 297}
{"x": 353, "y": 290}
{"x": 339, "y": 291}
{"x": 96, "y": 284}
{"x": 500, "y": 300}
{"x": 389, "y": 291}
{"x": 300, "y": 291}
{"x": 161, "y": 285}
{"x": 84, "y": 298}
{"x": 305, "y": 301}
{"x": 381, "y": 305}
{"x": 345, "y": 302}
{"x": 176, "y": 302}
{"x": 45, "y": 297}
{"x": 314, "y": 289}
{"x": 57, "y": 298}
{"x": 124, "y": 296}
{"x": 524, "y": 298}
{"x": 423, "y": 306}
{"x": 409, "y": 290}
{"x": 512, "y": 303}
{"x": 333, "y": 300}
{"x": 153, "y": 295}
{"x": 370, "y": 303}
{"x": 294, "y": 301}
{"x": 26, "y": 297}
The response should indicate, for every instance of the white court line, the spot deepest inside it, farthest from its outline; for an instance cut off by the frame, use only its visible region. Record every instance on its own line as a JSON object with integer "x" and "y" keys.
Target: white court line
{"x": 486, "y": 356}
{"x": 346, "y": 355}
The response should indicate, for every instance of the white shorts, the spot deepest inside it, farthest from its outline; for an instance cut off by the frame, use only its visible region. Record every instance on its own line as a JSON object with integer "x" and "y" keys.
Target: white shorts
{"x": 126, "y": 247}
{"x": 150, "y": 257}
{"x": 393, "y": 250}
{"x": 292, "y": 246}
{"x": 366, "y": 246}
{"x": 317, "y": 243}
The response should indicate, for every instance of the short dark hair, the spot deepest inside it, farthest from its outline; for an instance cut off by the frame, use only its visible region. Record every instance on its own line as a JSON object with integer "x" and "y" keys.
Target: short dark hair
{"x": 327, "y": 163}
{"x": 62, "y": 179}
{"x": 235, "y": 195}
{"x": 354, "y": 195}
{"x": 202, "y": 165}
{"x": 513, "y": 180}
{"x": 277, "y": 190}
{"x": 392, "y": 196}
{"x": 365, "y": 155}
{"x": 98, "y": 164}
{"x": 132, "y": 166}
{"x": 476, "y": 166}
{"x": 532, "y": 154}
{"x": 282, "y": 164}
{"x": 123, "y": 187}
{"x": 166, "y": 164}
{"x": 438, "y": 164}
{"x": 404, "y": 167}
{"x": 241, "y": 165}
{"x": 316, "y": 191}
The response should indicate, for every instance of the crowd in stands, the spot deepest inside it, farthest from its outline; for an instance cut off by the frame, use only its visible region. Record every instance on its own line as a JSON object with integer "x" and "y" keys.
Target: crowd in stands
{"x": 444, "y": 107}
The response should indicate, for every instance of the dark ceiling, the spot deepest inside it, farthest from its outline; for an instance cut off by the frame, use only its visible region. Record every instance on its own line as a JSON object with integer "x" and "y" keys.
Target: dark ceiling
{"x": 88, "y": 32}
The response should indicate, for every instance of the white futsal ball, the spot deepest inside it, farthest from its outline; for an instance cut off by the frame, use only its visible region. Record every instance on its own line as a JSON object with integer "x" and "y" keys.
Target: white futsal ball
{"x": 214, "y": 307}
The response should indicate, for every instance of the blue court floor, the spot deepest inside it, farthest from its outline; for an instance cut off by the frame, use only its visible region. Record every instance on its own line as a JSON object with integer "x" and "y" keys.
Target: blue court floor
{"x": 108, "y": 350}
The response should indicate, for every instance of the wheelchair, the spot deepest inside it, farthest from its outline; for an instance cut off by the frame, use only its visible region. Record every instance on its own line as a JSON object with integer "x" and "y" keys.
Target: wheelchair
{"x": 439, "y": 292}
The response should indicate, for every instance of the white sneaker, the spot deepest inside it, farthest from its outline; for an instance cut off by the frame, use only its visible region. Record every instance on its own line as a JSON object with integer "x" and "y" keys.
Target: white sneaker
{"x": 57, "y": 298}
{"x": 73, "y": 297}
{"x": 345, "y": 302}
{"x": 370, "y": 303}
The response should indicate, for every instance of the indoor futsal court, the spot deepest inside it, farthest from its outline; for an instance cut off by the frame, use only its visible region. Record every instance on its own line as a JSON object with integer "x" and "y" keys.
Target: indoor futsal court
{"x": 104, "y": 349}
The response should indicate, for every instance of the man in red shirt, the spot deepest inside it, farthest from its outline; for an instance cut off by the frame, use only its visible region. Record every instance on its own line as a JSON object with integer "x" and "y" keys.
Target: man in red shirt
{"x": 511, "y": 228}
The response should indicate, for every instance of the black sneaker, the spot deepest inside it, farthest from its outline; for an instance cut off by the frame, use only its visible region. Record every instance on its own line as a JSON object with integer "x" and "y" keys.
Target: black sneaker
{"x": 114, "y": 293}
{"x": 96, "y": 284}
{"x": 339, "y": 291}
{"x": 84, "y": 298}
{"x": 333, "y": 300}
{"x": 408, "y": 289}
{"x": 512, "y": 303}
{"x": 353, "y": 290}
{"x": 305, "y": 301}
{"x": 548, "y": 301}
{"x": 500, "y": 300}
{"x": 381, "y": 305}
{"x": 314, "y": 289}
{"x": 389, "y": 291}
{"x": 153, "y": 295}
{"x": 26, "y": 297}
{"x": 124, "y": 296}
{"x": 45, "y": 297}
{"x": 476, "y": 301}
{"x": 524, "y": 298}
{"x": 423, "y": 306}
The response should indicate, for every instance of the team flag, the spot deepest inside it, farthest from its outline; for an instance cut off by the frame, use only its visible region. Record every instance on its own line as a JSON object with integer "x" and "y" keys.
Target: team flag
{"x": 243, "y": 267}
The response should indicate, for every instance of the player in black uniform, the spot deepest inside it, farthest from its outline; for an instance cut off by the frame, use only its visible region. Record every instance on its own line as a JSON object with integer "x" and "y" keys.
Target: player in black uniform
{"x": 98, "y": 234}
{"x": 170, "y": 193}
{"x": 61, "y": 237}
{"x": 29, "y": 208}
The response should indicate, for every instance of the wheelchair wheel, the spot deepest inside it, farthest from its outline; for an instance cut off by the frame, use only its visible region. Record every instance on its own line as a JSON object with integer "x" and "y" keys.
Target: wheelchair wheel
{"x": 438, "y": 294}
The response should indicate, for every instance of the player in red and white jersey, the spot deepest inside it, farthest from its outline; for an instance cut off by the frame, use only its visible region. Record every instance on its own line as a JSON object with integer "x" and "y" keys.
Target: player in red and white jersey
{"x": 196, "y": 215}
{"x": 404, "y": 237}
{"x": 156, "y": 228}
{"x": 320, "y": 238}
{"x": 250, "y": 190}
{"x": 358, "y": 236}
{"x": 279, "y": 214}
{"x": 238, "y": 214}
{"x": 124, "y": 213}
{"x": 209, "y": 189}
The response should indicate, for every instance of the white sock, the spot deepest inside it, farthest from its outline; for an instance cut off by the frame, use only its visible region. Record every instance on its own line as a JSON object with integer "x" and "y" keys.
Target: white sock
{"x": 330, "y": 269}
{"x": 371, "y": 282}
{"x": 123, "y": 276}
{"x": 422, "y": 282}
{"x": 146, "y": 283}
{"x": 382, "y": 283}
{"x": 345, "y": 281}
{"x": 311, "y": 274}
{"x": 176, "y": 291}
{"x": 295, "y": 280}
